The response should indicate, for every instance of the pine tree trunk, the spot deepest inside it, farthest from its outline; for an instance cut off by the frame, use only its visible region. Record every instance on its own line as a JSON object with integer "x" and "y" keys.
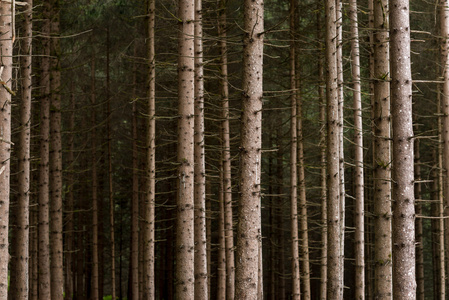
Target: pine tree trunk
{"x": 20, "y": 244}
{"x": 334, "y": 263}
{"x": 249, "y": 231}
{"x": 95, "y": 253}
{"x": 404, "y": 281}
{"x": 185, "y": 198}
{"x": 221, "y": 265}
{"x": 44, "y": 167}
{"x": 6, "y": 47}
{"x": 226, "y": 154}
{"x": 149, "y": 224}
{"x": 358, "y": 156}
{"x": 201, "y": 274}
{"x": 444, "y": 50}
{"x": 296, "y": 289}
{"x": 382, "y": 154}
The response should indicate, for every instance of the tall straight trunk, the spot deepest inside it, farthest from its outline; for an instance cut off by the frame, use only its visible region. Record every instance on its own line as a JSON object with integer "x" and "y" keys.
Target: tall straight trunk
{"x": 110, "y": 171}
{"x": 149, "y": 224}
{"x": 6, "y": 47}
{"x": 382, "y": 154}
{"x": 33, "y": 273}
{"x": 404, "y": 281}
{"x": 419, "y": 226}
{"x": 441, "y": 213}
{"x": 304, "y": 228}
{"x": 279, "y": 213}
{"x": 134, "y": 259}
{"x": 339, "y": 18}
{"x": 201, "y": 274}
{"x": 358, "y": 156}
{"x": 44, "y": 167}
{"x": 296, "y": 289}
{"x": 226, "y": 154}
{"x": 56, "y": 212}
{"x": 444, "y": 51}
{"x": 69, "y": 256}
{"x": 323, "y": 165}
{"x": 334, "y": 263}
{"x": 20, "y": 261}
{"x": 209, "y": 236}
{"x": 249, "y": 231}
{"x": 185, "y": 198}
{"x": 221, "y": 265}
{"x": 95, "y": 253}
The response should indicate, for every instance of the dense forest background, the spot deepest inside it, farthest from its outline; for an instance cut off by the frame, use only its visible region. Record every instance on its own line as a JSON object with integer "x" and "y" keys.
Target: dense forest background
{"x": 101, "y": 203}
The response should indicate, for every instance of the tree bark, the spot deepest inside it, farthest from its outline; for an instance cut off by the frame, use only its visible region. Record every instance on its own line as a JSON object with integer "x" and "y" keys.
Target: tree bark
{"x": 249, "y": 256}
{"x": 382, "y": 154}
{"x": 359, "y": 221}
{"x": 404, "y": 281}
{"x": 334, "y": 263}
{"x": 226, "y": 154}
{"x": 296, "y": 289}
{"x": 419, "y": 226}
{"x": 44, "y": 168}
{"x": 201, "y": 275}
{"x": 185, "y": 199}
{"x": 149, "y": 229}
{"x": 20, "y": 244}
{"x": 6, "y": 47}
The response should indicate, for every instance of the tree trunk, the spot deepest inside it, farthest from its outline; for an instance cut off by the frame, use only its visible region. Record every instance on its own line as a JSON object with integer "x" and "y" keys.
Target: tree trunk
{"x": 226, "y": 154}
{"x": 382, "y": 154}
{"x": 201, "y": 274}
{"x": 404, "y": 281}
{"x": 44, "y": 168}
{"x": 249, "y": 231}
{"x": 185, "y": 200}
{"x": 20, "y": 260}
{"x": 221, "y": 265}
{"x": 296, "y": 289}
{"x": 148, "y": 256}
{"x": 358, "y": 156}
{"x": 334, "y": 263}
{"x": 95, "y": 253}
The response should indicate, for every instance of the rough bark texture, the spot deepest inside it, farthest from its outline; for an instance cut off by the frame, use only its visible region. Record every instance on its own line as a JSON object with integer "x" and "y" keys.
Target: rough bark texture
{"x": 334, "y": 263}
{"x": 226, "y": 154}
{"x": 20, "y": 244}
{"x": 404, "y": 281}
{"x": 185, "y": 218}
{"x": 382, "y": 154}
{"x": 296, "y": 290}
{"x": 249, "y": 235}
{"x": 358, "y": 156}
{"x": 201, "y": 275}
{"x": 6, "y": 47}
{"x": 44, "y": 168}
{"x": 149, "y": 224}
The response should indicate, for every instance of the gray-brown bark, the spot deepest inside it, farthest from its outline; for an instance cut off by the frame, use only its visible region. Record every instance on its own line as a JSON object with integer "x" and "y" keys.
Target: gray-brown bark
{"x": 44, "y": 167}
{"x": 419, "y": 226}
{"x": 149, "y": 216}
{"x": 358, "y": 156}
{"x": 19, "y": 281}
{"x": 249, "y": 256}
{"x": 404, "y": 281}
{"x": 382, "y": 154}
{"x": 334, "y": 262}
{"x": 185, "y": 173}
{"x": 226, "y": 154}
{"x": 296, "y": 290}
{"x": 6, "y": 47}
{"x": 201, "y": 275}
